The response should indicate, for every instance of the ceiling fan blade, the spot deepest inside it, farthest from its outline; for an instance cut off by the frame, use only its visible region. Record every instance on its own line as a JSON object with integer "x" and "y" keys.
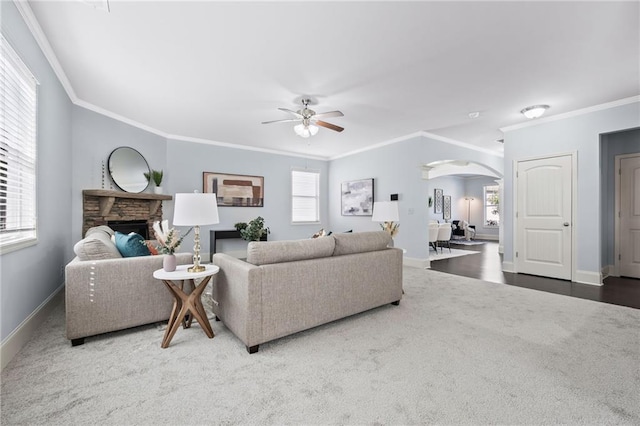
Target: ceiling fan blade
{"x": 329, "y": 114}
{"x": 296, "y": 113}
{"x": 281, "y": 121}
{"x": 328, "y": 125}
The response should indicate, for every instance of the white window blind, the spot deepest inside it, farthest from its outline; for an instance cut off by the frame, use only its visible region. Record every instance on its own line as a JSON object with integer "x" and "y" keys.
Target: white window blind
{"x": 305, "y": 196}
{"x": 18, "y": 90}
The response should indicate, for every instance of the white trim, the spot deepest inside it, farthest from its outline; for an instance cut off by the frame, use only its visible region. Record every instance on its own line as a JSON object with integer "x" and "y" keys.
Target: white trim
{"x": 606, "y": 271}
{"x": 416, "y": 263}
{"x": 509, "y": 267}
{"x": 36, "y": 30}
{"x": 489, "y": 237}
{"x": 570, "y": 114}
{"x": 21, "y": 335}
{"x": 588, "y": 277}
{"x": 419, "y": 134}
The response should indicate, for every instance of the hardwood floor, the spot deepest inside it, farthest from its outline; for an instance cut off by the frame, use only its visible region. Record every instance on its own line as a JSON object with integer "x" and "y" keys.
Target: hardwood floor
{"x": 488, "y": 266}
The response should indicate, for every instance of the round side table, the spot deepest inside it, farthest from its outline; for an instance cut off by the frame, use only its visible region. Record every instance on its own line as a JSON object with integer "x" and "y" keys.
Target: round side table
{"x": 186, "y": 304}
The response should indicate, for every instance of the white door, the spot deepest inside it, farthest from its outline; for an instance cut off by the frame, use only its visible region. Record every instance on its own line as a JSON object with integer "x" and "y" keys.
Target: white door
{"x": 629, "y": 260}
{"x": 543, "y": 215}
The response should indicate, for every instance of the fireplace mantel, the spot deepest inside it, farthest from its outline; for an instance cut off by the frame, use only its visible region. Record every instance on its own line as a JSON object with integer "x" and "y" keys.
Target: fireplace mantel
{"x": 108, "y": 198}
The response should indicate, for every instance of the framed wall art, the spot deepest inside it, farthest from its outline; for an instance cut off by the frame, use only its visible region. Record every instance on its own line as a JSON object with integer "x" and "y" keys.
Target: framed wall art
{"x": 437, "y": 200}
{"x": 234, "y": 190}
{"x": 446, "y": 207}
{"x": 357, "y": 197}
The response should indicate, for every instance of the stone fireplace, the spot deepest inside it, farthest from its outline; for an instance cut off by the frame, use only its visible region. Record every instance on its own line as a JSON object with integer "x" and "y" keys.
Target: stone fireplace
{"x": 121, "y": 209}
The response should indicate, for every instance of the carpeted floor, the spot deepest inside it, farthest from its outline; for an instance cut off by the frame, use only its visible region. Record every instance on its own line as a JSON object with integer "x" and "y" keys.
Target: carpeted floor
{"x": 455, "y": 351}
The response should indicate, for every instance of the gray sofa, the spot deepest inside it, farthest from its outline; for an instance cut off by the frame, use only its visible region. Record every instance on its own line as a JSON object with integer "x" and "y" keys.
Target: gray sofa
{"x": 289, "y": 286}
{"x": 106, "y": 292}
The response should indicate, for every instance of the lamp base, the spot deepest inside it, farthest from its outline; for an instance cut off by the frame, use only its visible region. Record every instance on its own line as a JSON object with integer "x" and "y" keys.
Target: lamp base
{"x": 196, "y": 268}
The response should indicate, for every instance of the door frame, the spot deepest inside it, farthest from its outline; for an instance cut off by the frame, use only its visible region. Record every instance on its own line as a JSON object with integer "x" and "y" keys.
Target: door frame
{"x": 574, "y": 206}
{"x": 616, "y": 214}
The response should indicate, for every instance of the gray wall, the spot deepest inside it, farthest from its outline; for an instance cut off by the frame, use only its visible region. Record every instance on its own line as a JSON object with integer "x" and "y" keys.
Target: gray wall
{"x": 397, "y": 168}
{"x": 581, "y": 134}
{"x": 94, "y": 136}
{"x": 186, "y": 161}
{"x": 626, "y": 142}
{"x": 31, "y": 275}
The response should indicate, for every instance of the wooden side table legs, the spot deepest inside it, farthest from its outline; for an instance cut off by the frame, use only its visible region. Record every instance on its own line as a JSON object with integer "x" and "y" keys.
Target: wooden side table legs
{"x": 183, "y": 305}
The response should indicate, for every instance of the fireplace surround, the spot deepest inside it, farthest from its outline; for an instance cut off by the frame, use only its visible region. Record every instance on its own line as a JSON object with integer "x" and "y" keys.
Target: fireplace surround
{"x": 102, "y": 207}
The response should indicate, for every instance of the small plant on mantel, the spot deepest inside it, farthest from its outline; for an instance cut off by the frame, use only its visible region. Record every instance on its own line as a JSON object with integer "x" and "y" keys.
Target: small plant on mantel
{"x": 255, "y": 230}
{"x": 157, "y": 175}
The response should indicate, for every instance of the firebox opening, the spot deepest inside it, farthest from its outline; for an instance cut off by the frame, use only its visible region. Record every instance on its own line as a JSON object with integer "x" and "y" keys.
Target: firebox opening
{"x": 126, "y": 226}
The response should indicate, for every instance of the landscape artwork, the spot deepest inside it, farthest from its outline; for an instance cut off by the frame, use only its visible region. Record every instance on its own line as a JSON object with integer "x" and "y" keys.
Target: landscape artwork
{"x": 357, "y": 197}
{"x": 234, "y": 190}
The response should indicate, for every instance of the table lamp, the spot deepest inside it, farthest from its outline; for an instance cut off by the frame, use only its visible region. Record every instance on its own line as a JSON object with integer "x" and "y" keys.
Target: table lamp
{"x": 195, "y": 209}
{"x": 386, "y": 212}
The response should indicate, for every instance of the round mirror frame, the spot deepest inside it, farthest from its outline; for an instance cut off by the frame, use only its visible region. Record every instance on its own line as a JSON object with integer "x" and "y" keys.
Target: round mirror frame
{"x": 126, "y": 168}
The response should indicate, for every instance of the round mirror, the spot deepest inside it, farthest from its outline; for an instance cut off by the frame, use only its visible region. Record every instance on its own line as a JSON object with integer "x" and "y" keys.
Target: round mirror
{"x": 127, "y": 168}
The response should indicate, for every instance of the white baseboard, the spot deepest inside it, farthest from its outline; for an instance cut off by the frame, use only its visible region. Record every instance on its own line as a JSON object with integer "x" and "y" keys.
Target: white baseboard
{"x": 509, "y": 267}
{"x": 487, "y": 237}
{"x": 606, "y": 271}
{"x": 416, "y": 263}
{"x": 21, "y": 335}
{"x": 588, "y": 277}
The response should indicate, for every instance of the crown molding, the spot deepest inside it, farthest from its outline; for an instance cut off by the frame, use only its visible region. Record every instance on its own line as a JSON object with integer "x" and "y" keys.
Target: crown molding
{"x": 421, "y": 133}
{"x": 36, "y": 30}
{"x": 575, "y": 113}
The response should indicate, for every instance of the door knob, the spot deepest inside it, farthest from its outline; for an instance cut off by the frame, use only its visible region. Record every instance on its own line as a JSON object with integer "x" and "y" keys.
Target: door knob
{"x": 566, "y": 224}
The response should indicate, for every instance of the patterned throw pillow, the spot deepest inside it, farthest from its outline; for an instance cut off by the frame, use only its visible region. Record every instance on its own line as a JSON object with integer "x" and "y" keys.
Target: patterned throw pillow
{"x": 131, "y": 245}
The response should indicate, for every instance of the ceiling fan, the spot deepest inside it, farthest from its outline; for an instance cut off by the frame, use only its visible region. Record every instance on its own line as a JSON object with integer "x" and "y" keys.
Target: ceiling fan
{"x": 309, "y": 120}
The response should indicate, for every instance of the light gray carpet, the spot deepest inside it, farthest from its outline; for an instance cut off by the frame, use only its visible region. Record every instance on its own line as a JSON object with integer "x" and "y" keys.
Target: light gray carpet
{"x": 456, "y": 351}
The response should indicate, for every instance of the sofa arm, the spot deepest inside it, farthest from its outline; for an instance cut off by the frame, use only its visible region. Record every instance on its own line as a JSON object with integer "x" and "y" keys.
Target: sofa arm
{"x": 114, "y": 294}
{"x": 238, "y": 293}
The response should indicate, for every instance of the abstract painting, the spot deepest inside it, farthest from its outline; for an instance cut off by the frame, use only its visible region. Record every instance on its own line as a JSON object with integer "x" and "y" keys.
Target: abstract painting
{"x": 234, "y": 190}
{"x": 357, "y": 197}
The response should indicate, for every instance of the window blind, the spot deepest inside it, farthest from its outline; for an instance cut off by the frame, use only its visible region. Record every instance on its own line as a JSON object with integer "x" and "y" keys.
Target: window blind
{"x": 305, "y": 199}
{"x": 18, "y": 90}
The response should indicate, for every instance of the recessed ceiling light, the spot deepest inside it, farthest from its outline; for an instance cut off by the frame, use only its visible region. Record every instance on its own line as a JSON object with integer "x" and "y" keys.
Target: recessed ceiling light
{"x": 474, "y": 114}
{"x": 534, "y": 111}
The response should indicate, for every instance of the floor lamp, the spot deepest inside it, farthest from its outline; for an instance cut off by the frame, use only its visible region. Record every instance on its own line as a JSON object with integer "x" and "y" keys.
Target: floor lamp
{"x": 195, "y": 209}
{"x": 469, "y": 199}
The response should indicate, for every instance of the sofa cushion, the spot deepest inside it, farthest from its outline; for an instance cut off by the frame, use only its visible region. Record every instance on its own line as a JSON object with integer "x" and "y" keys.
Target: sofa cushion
{"x": 268, "y": 252}
{"x": 360, "y": 242}
{"x": 131, "y": 245}
{"x": 96, "y": 245}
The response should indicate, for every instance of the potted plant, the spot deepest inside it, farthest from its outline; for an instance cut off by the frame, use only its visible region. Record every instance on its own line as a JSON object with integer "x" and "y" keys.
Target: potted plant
{"x": 157, "y": 176}
{"x": 254, "y": 230}
{"x": 240, "y": 226}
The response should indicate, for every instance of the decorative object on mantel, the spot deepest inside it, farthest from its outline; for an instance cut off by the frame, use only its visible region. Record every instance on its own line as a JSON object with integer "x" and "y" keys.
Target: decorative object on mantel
{"x": 234, "y": 190}
{"x": 387, "y": 213}
{"x": 254, "y": 230}
{"x": 157, "y": 176}
{"x": 127, "y": 167}
{"x": 195, "y": 209}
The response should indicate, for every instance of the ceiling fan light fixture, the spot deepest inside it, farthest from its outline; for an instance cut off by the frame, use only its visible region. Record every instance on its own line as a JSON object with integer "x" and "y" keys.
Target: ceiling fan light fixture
{"x": 534, "y": 111}
{"x": 305, "y": 130}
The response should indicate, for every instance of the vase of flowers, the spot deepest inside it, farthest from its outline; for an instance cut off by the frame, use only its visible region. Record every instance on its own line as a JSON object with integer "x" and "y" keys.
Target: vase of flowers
{"x": 392, "y": 229}
{"x": 169, "y": 241}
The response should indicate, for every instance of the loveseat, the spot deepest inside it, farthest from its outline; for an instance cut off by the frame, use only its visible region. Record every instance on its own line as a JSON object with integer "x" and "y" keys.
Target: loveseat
{"x": 106, "y": 292}
{"x": 288, "y": 286}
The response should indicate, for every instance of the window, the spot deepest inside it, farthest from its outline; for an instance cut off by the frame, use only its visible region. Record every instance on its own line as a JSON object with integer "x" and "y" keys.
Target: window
{"x": 491, "y": 205}
{"x": 17, "y": 152}
{"x": 305, "y": 196}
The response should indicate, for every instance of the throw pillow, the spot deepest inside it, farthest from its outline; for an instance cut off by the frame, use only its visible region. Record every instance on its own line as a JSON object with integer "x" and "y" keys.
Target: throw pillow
{"x": 131, "y": 245}
{"x": 96, "y": 246}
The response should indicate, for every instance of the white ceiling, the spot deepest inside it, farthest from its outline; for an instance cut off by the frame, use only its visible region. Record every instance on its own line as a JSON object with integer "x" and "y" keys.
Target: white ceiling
{"x": 215, "y": 70}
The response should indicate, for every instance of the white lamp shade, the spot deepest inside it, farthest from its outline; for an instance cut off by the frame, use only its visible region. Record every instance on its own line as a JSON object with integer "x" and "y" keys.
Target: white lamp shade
{"x": 193, "y": 209}
{"x": 385, "y": 211}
